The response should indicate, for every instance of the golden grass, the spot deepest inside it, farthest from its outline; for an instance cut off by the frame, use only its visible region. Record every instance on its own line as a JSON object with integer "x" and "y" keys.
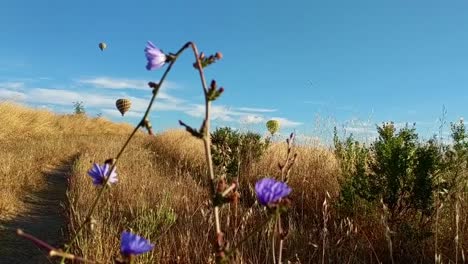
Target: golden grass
{"x": 162, "y": 194}
{"x": 148, "y": 183}
{"x": 22, "y": 122}
{"x": 33, "y": 141}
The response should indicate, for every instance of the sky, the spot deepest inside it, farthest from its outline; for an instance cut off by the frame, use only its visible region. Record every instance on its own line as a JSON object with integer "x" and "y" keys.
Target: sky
{"x": 311, "y": 65}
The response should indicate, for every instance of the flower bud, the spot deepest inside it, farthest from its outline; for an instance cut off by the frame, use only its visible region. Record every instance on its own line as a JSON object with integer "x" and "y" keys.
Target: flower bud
{"x": 221, "y": 185}
{"x": 218, "y": 55}
{"x": 153, "y": 85}
{"x": 213, "y": 84}
{"x": 147, "y": 123}
{"x": 109, "y": 161}
{"x": 170, "y": 58}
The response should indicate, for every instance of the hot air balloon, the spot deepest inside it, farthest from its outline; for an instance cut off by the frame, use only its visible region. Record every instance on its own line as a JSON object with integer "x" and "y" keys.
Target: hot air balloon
{"x": 102, "y": 46}
{"x": 123, "y": 105}
{"x": 273, "y": 126}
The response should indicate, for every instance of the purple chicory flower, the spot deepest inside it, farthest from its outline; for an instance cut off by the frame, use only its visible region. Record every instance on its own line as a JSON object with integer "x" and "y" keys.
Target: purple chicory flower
{"x": 131, "y": 244}
{"x": 99, "y": 174}
{"x": 270, "y": 190}
{"x": 156, "y": 58}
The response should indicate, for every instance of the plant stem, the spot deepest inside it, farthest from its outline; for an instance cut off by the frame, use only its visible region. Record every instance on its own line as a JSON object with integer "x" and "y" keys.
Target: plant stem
{"x": 207, "y": 137}
{"x": 256, "y": 230}
{"x": 280, "y": 254}
{"x": 141, "y": 123}
{"x": 457, "y": 223}
{"x": 280, "y": 234}
{"x": 53, "y": 252}
{"x": 229, "y": 189}
{"x": 273, "y": 237}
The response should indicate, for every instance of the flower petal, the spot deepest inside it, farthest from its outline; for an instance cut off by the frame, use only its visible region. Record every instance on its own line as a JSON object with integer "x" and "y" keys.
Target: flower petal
{"x": 132, "y": 244}
{"x": 269, "y": 190}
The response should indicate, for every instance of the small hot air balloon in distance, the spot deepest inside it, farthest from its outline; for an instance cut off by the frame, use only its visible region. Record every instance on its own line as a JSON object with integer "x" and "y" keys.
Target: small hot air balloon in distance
{"x": 102, "y": 46}
{"x": 123, "y": 105}
{"x": 273, "y": 126}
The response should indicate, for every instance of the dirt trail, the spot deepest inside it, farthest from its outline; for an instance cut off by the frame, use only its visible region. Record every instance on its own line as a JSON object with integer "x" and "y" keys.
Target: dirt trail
{"x": 44, "y": 219}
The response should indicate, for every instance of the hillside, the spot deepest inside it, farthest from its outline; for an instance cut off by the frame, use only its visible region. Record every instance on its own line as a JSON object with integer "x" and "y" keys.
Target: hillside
{"x": 159, "y": 177}
{"x": 162, "y": 195}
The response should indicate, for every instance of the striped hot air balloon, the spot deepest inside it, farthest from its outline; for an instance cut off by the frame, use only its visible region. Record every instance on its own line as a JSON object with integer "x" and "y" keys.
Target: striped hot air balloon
{"x": 123, "y": 105}
{"x": 102, "y": 46}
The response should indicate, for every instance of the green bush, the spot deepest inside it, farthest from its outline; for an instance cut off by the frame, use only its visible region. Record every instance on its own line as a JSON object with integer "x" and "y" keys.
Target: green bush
{"x": 456, "y": 160}
{"x": 234, "y": 152}
{"x": 352, "y": 159}
{"x": 79, "y": 108}
{"x": 397, "y": 169}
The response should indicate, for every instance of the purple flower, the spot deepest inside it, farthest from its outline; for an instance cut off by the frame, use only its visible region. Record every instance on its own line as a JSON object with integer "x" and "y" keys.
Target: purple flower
{"x": 99, "y": 174}
{"x": 156, "y": 58}
{"x": 269, "y": 190}
{"x": 131, "y": 244}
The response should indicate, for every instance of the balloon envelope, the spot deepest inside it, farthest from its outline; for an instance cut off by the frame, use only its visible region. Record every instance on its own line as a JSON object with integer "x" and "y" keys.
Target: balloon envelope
{"x": 273, "y": 126}
{"x": 123, "y": 105}
{"x": 102, "y": 46}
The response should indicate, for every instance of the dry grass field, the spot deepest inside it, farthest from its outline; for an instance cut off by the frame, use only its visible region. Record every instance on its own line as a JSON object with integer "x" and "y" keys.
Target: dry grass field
{"x": 162, "y": 195}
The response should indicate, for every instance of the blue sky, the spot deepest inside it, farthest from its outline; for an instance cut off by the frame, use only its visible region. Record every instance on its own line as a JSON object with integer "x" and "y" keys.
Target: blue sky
{"x": 311, "y": 64}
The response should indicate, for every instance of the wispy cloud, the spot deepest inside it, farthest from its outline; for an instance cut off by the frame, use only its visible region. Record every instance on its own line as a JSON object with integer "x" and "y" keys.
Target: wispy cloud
{"x": 228, "y": 114}
{"x": 104, "y": 101}
{"x": 114, "y": 83}
{"x": 286, "y": 122}
{"x": 218, "y": 112}
{"x": 312, "y": 102}
{"x": 259, "y": 110}
{"x": 6, "y": 94}
{"x": 61, "y": 97}
{"x": 121, "y": 83}
{"x": 251, "y": 119}
{"x": 66, "y": 97}
{"x": 57, "y": 97}
{"x": 360, "y": 130}
{"x": 116, "y": 113}
{"x": 11, "y": 85}
{"x": 140, "y": 104}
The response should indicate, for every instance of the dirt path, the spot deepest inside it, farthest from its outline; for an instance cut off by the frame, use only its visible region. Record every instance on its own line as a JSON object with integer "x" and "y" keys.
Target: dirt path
{"x": 43, "y": 219}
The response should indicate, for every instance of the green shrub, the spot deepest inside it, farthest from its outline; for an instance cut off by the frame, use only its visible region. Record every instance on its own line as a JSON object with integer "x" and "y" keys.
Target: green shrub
{"x": 79, "y": 108}
{"x": 397, "y": 169}
{"x": 428, "y": 160}
{"x": 352, "y": 159}
{"x": 234, "y": 152}
{"x": 456, "y": 160}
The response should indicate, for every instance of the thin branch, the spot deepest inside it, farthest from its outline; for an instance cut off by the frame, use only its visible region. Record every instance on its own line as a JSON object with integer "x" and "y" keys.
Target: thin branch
{"x": 206, "y": 136}
{"x": 114, "y": 163}
{"x": 53, "y": 252}
{"x": 228, "y": 190}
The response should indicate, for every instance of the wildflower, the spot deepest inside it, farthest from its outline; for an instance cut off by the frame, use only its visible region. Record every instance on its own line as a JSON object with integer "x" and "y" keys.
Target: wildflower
{"x": 156, "y": 58}
{"x": 269, "y": 190}
{"x": 131, "y": 244}
{"x": 99, "y": 174}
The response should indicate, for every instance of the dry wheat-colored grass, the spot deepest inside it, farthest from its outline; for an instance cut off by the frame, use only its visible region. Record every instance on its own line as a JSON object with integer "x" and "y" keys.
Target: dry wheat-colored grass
{"x": 166, "y": 179}
{"x": 162, "y": 195}
{"x": 19, "y": 122}
{"x": 31, "y": 141}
